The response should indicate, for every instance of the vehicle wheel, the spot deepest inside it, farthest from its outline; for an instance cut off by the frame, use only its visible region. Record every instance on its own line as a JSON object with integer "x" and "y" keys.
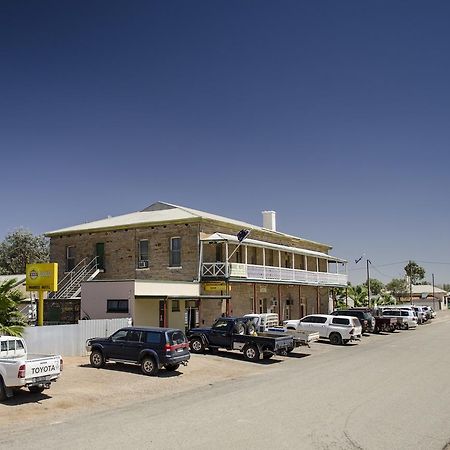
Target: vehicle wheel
{"x": 239, "y": 328}
{"x": 407, "y": 326}
{"x": 251, "y": 353}
{"x": 2, "y": 390}
{"x": 97, "y": 359}
{"x": 251, "y": 328}
{"x": 197, "y": 345}
{"x": 172, "y": 367}
{"x": 36, "y": 389}
{"x": 267, "y": 355}
{"x": 149, "y": 366}
{"x": 335, "y": 338}
{"x": 289, "y": 349}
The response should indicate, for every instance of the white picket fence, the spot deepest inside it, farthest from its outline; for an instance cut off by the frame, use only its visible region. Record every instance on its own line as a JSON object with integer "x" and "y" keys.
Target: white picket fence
{"x": 69, "y": 340}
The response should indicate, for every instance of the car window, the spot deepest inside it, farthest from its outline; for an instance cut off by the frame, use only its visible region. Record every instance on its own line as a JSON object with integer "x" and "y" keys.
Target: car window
{"x": 11, "y": 345}
{"x": 340, "y": 321}
{"x": 177, "y": 337}
{"x": 221, "y": 324}
{"x": 308, "y": 319}
{"x": 319, "y": 319}
{"x": 19, "y": 345}
{"x": 120, "y": 335}
{"x": 4, "y": 346}
{"x": 152, "y": 337}
{"x": 133, "y": 336}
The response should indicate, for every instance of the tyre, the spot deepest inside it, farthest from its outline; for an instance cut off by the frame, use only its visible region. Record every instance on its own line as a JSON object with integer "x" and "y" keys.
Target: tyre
{"x": 251, "y": 352}
{"x": 289, "y": 350}
{"x": 335, "y": 338}
{"x": 149, "y": 366}
{"x": 97, "y": 359}
{"x": 36, "y": 389}
{"x": 2, "y": 390}
{"x": 251, "y": 328}
{"x": 172, "y": 367}
{"x": 239, "y": 328}
{"x": 197, "y": 345}
{"x": 267, "y": 355}
{"x": 406, "y": 326}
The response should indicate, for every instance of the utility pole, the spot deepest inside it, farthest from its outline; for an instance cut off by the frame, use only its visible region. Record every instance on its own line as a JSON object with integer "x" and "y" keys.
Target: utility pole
{"x": 432, "y": 277}
{"x": 368, "y": 281}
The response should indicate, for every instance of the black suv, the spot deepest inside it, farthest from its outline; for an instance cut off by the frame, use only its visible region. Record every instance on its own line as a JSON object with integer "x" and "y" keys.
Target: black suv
{"x": 150, "y": 347}
{"x": 366, "y": 319}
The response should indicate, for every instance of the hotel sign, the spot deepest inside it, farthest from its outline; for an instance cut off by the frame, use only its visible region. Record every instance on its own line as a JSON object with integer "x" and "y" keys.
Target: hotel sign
{"x": 214, "y": 286}
{"x": 42, "y": 277}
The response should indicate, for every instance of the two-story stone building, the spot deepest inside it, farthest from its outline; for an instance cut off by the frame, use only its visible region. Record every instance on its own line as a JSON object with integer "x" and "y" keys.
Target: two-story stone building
{"x": 169, "y": 265}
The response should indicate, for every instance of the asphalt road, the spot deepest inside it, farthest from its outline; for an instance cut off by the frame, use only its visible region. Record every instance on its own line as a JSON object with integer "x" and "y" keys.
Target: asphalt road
{"x": 387, "y": 392}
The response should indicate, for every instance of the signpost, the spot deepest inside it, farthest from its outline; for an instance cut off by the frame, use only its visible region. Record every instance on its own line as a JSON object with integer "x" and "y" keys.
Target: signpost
{"x": 42, "y": 277}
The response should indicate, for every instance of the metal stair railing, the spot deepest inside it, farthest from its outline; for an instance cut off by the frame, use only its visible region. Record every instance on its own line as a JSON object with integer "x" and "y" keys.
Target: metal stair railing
{"x": 71, "y": 283}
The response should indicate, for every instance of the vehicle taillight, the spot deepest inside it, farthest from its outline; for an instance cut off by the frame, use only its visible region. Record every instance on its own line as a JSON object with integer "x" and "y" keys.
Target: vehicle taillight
{"x": 61, "y": 364}
{"x": 21, "y": 373}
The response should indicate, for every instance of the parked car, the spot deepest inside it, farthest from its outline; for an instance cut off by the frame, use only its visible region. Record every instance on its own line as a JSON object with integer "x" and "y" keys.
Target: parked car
{"x": 421, "y": 314}
{"x": 408, "y": 318}
{"x": 20, "y": 369}
{"x": 429, "y": 312}
{"x": 338, "y": 329}
{"x": 365, "y": 317}
{"x": 226, "y": 333}
{"x": 150, "y": 347}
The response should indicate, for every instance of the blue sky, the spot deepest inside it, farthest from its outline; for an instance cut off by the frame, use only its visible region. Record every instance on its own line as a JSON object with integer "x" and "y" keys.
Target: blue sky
{"x": 334, "y": 114}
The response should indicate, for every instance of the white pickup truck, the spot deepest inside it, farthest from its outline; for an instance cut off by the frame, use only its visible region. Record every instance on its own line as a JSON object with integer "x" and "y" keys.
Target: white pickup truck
{"x": 19, "y": 369}
{"x": 338, "y": 329}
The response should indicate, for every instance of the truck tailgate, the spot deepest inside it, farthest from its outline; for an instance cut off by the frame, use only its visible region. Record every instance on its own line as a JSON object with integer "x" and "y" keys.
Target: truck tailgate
{"x": 38, "y": 366}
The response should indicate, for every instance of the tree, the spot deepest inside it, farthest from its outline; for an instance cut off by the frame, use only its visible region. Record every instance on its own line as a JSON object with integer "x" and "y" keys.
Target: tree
{"x": 12, "y": 322}
{"x": 20, "y": 248}
{"x": 397, "y": 287}
{"x": 415, "y": 272}
{"x": 358, "y": 294}
{"x": 376, "y": 286}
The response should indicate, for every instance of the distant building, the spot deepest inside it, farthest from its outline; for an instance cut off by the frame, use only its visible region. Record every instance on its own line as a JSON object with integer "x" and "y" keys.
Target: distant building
{"x": 422, "y": 294}
{"x": 168, "y": 265}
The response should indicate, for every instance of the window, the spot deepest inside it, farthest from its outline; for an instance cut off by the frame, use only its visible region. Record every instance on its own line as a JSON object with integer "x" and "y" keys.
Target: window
{"x": 175, "y": 252}
{"x": 152, "y": 337}
{"x": 120, "y": 335}
{"x": 177, "y": 338}
{"x": 319, "y": 319}
{"x": 221, "y": 324}
{"x": 117, "y": 306}
{"x": 70, "y": 258}
{"x": 100, "y": 254}
{"x": 175, "y": 305}
{"x": 340, "y": 321}
{"x": 19, "y": 345}
{"x": 308, "y": 320}
{"x": 143, "y": 254}
{"x": 3, "y": 347}
{"x": 11, "y": 345}
{"x": 133, "y": 336}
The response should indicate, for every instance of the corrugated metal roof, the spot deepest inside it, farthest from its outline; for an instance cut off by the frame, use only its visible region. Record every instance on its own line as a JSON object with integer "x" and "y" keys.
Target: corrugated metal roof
{"x": 217, "y": 237}
{"x": 159, "y": 213}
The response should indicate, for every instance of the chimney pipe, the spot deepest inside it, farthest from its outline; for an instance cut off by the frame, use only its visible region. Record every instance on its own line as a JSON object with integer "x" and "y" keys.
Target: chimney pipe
{"x": 269, "y": 220}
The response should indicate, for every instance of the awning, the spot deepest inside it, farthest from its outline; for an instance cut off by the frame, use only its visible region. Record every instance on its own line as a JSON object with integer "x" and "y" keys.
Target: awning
{"x": 222, "y": 237}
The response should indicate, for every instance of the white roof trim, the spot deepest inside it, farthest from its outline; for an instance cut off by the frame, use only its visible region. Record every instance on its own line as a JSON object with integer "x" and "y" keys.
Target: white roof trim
{"x": 218, "y": 237}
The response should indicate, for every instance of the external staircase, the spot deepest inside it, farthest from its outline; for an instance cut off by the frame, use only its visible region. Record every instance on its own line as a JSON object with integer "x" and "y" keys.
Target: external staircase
{"x": 70, "y": 285}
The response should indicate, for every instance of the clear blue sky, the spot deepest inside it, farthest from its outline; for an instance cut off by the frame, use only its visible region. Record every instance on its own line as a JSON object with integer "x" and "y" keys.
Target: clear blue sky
{"x": 334, "y": 114}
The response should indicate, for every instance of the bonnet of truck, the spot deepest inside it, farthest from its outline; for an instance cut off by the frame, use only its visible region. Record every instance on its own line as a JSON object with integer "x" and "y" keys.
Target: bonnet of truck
{"x": 43, "y": 368}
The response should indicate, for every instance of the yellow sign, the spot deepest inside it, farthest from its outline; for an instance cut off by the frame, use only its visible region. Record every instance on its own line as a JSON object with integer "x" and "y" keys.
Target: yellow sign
{"x": 215, "y": 286}
{"x": 42, "y": 277}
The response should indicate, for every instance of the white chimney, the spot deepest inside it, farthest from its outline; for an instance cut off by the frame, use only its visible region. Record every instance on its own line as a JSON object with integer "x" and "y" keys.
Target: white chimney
{"x": 269, "y": 220}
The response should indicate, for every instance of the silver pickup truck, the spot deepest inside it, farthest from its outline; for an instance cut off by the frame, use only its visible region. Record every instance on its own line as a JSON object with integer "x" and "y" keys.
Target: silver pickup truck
{"x": 19, "y": 369}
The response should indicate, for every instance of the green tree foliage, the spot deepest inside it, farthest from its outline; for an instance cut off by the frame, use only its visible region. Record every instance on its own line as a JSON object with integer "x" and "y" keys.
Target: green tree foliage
{"x": 20, "y": 248}
{"x": 385, "y": 299}
{"x": 358, "y": 294}
{"x": 415, "y": 272}
{"x": 376, "y": 286}
{"x": 12, "y": 322}
{"x": 397, "y": 287}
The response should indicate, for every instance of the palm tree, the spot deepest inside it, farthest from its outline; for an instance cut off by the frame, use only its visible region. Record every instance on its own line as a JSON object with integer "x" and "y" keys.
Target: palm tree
{"x": 358, "y": 294}
{"x": 12, "y": 322}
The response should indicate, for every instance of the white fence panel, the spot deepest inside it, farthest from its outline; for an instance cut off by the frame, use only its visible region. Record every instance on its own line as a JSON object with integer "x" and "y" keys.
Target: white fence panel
{"x": 69, "y": 340}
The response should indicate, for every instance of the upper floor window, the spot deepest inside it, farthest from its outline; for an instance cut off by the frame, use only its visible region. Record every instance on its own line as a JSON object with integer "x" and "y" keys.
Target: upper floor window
{"x": 175, "y": 252}
{"x": 143, "y": 254}
{"x": 70, "y": 258}
{"x": 117, "y": 306}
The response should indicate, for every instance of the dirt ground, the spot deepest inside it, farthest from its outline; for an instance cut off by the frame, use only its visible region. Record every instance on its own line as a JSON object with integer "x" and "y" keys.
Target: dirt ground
{"x": 80, "y": 386}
